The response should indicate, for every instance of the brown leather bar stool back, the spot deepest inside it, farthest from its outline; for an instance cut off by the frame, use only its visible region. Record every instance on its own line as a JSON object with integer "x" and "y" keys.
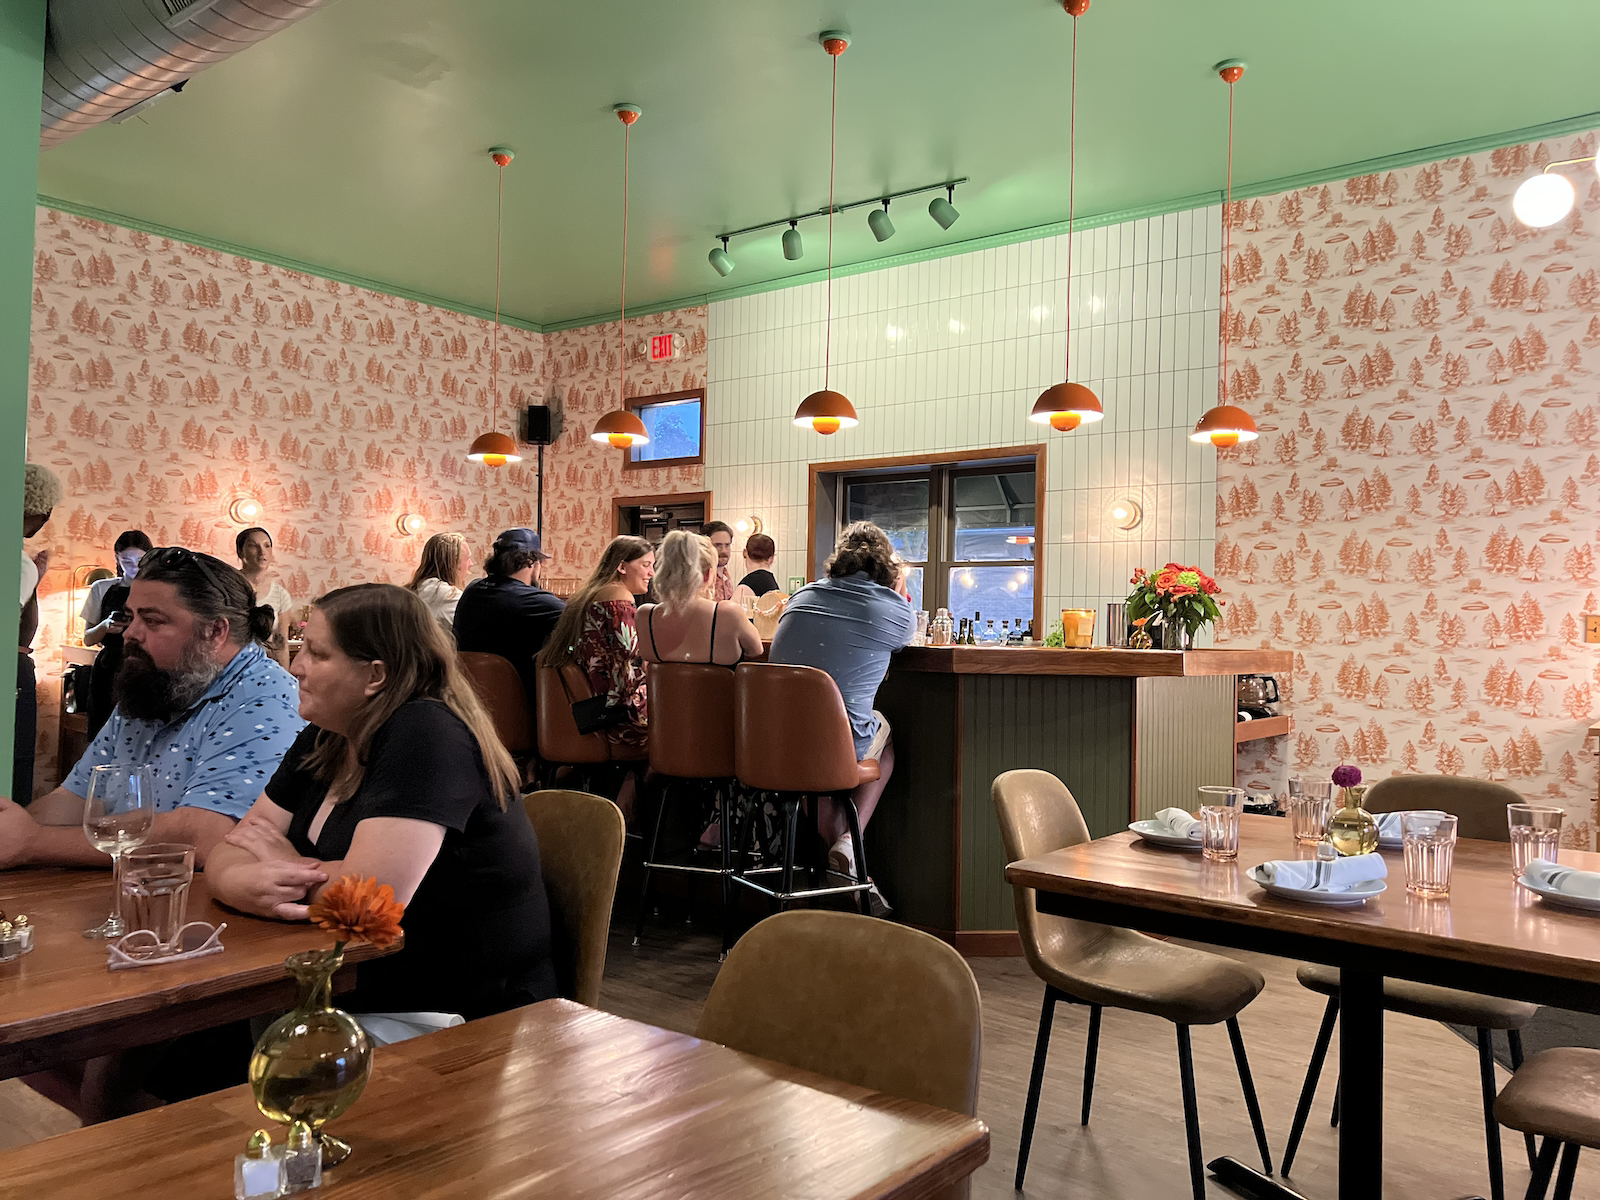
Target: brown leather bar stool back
{"x": 1478, "y": 804}
{"x": 792, "y": 733}
{"x": 792, "y": 737}
{"x": 1555, "y": 1096}
{"x": 500, "y": 688}
{"x": 1106, "y": 967}
{"x": 691, "y": 720}
{"x": 691, "y": 750}
{"x": 559, "y": 739}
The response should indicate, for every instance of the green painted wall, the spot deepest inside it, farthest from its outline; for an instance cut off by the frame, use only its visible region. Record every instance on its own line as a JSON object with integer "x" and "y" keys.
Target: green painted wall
{"x": 21, "y": 76}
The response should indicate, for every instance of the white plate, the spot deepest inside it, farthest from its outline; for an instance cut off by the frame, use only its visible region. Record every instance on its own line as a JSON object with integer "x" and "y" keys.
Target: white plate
{"x": 1358, "y": 894}
{"x": 1561, "y": 899}
{"x": 1150, "y": 831}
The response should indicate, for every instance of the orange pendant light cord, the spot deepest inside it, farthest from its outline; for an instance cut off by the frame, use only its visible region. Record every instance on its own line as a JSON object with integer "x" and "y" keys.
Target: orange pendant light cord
{"x": 1072, "y": 180}
{"x": 494, "y": 351}
{"x": 827, "y": 328}
{"x": 1231, "y": 75}
{"x": 622, "y": 317}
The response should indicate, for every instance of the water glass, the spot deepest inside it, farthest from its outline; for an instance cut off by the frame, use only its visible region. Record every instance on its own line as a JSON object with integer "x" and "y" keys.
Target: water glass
{"x": 1535, "y": 833}
{"x": 1219, "y": 822}
{"x": 1308, "y": 817}
{"x": 1429, "y": 843}
{"x": 155, "y": 889}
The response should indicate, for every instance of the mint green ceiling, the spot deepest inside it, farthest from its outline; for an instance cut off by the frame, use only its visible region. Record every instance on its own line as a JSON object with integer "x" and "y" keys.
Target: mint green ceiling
{"x": 354, "y": 142}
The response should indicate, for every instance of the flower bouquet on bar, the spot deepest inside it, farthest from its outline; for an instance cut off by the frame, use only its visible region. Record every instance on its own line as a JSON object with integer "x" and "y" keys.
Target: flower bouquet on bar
{"x": 1178, "y": 599}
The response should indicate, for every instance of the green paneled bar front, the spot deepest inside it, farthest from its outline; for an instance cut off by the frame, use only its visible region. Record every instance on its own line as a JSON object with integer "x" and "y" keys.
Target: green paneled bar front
{"x": 1129, "y": 731}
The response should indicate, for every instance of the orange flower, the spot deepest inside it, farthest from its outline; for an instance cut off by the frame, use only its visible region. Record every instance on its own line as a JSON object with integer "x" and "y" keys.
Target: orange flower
{"x": 359, "y": 910}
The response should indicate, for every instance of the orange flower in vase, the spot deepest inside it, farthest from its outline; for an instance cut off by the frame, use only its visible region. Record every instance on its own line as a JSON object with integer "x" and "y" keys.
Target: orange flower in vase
{"x": 359, "y": 910}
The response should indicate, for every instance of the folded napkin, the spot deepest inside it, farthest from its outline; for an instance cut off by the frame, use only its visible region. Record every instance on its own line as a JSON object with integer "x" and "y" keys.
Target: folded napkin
{"x": 1325, "y": 875}
{"x": 1389, "y": 822}
{"x": 1554, "y": 877}
{"x": 385, "y": 1029}
{"x": 1176, "y": 823}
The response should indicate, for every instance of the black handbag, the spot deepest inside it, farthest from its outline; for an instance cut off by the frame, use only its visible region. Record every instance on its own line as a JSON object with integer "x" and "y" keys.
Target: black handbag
{"x": 597, "y": 714}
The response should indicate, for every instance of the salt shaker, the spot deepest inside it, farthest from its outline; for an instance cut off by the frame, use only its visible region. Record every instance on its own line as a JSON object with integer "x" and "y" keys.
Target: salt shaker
{"x": 258, "y": 1172}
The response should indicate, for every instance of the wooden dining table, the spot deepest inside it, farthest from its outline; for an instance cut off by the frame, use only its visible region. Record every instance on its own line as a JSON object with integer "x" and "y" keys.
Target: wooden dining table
{"x": 1490, "y": 935}
{"x": 60, "y": 1003}
{"x": 552, "y": 1100}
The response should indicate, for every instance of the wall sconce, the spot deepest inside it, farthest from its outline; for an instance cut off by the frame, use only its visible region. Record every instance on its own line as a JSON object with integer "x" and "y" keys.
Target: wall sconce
{"x": 245, "y": 510}
{"x": 1125, "y": 513}
{"x": 751, "y": 524}
{"x": 1020, "y": 539}
{"x": 410, "y": 524}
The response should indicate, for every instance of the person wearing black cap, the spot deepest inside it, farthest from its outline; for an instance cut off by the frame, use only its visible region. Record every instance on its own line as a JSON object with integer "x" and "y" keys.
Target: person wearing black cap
{"x": 507, "y": 612}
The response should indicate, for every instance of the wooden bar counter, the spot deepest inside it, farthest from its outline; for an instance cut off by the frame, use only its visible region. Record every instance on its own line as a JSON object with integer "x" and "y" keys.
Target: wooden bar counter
{"x": 1129, "y": 731}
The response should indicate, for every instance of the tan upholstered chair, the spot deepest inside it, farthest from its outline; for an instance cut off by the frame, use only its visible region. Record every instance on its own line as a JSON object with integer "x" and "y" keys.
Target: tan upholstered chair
{"x": 1480, "y": 807}
{"x": 1106, "y": 967}
{"x": 869, "y": 1002}
{"x": 1556, "y": 1096}
{"x": 580, "y": 853}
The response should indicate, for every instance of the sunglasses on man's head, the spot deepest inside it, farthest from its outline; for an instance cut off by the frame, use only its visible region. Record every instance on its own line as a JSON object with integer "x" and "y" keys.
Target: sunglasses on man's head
{"x": 182, "y": 556}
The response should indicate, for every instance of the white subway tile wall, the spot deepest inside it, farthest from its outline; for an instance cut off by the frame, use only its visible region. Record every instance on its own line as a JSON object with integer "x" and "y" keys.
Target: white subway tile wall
{"x": 951, "y": 354}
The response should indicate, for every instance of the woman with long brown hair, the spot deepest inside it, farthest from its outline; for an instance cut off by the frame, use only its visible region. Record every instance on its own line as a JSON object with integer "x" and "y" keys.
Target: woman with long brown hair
{"x": 441, "y": 575}
{"x": 597, "y": 632}
{"x": 400, "y": 776}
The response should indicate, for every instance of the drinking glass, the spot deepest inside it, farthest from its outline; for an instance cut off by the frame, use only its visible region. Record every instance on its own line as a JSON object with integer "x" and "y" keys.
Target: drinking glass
{"x": 1535, "y": 833}
{"x": 1308, "y": 817}
{"x": 1429, "y": 843}
{"x": 118, "y": 813}
{"x": 155, "y": 889}
{"x": 1219, "y": 817}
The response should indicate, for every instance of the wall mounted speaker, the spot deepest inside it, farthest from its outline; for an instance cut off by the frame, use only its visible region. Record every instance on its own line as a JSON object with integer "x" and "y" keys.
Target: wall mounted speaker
{"x": 541, "y": 427}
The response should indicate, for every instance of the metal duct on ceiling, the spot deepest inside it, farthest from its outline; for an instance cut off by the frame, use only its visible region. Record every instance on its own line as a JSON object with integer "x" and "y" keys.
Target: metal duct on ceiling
{"x": 102, "y": 57}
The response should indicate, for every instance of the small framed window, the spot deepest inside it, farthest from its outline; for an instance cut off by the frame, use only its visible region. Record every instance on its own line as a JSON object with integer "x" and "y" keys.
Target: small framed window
{"x": 676, "y": 423}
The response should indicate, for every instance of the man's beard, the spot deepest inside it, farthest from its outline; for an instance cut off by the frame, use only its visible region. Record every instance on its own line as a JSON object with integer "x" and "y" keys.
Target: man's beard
{"x": 147, "y": 692}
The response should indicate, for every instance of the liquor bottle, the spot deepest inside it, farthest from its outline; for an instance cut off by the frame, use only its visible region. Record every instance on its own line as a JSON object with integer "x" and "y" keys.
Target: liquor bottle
{"x": 990, "y": 637}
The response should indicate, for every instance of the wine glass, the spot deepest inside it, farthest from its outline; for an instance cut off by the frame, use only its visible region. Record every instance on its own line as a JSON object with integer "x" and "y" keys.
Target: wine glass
{"x": 118, "y": 815}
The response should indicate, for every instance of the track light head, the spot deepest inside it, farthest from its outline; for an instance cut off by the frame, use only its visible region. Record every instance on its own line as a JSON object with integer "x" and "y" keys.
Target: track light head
{"x": 719, "y": 260}
{"x": 793, "y": 248}
{"x": 943, "y": 210}
{"x": 878, "y": 221}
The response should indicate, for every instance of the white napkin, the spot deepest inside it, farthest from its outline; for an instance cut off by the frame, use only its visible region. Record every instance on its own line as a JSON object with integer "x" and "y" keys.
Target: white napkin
{"x": 1389, "y": 822}
{"x": 1556, "y": 878}
{"x": 385, "y": 1029}
{"x": 1176, "y": 823}
{"x": 1325, "y": 875}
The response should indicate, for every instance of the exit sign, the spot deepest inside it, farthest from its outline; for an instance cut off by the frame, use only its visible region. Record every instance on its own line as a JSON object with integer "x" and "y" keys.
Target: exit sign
{"x": 663, "y": 346}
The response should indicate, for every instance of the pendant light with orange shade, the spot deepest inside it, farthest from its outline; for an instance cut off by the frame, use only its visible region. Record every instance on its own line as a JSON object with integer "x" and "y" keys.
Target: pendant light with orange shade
{"x": 496, "y": 449}
{"x": 622, "y": 427}
{"x": 1226, "y": 425}
{"x": 829, "y": 411}
{"x": 1065, "y": 406}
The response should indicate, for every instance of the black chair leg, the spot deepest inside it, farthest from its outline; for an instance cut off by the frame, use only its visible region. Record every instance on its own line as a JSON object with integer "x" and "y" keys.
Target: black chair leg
{"x": 1514, "y": 1039}
{"x": 1568, "y": 1172}
{"x": 1090, "y": 1057}
{"x": 1308, "y": 1090}
{"x": 1041, "y": 1050}
{"x": 1191, "y": 1114}
{"x": 1491, "y": 1127}
{"x": 1544, "y": 1166}
{"x": 1338, "y": 1090}
{"x": 726, "y": 840}
{"x": 791, "y": 827}
{"x": 650, "y": 857}
{"x": 853, "y": 821}
{"x": 1249, "y": 1085}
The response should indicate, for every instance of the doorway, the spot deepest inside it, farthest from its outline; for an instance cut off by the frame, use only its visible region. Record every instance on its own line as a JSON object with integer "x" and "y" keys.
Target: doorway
{"x": 653, "y": 517}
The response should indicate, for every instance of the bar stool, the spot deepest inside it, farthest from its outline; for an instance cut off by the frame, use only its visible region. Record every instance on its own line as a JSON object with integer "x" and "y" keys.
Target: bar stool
{"x": 691, "y": 752}
{"x": 560, "y": 743}
{"x": 1107, "y": 967}
{"x": 1555, "y": 1095}
{"x": 500, "y": 689}
{"x": 1480, "y": 807}
{"x": 792, "y": 737}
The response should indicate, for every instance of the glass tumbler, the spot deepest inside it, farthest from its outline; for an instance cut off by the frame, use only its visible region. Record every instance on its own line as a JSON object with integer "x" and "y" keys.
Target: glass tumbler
{"x": 1308, "y": 818}
{"x": 155, "y": 888}
{"x": 1429, "y": 843}
{"x": 1535, "y": 833}
{"x": 1219, "y": 822}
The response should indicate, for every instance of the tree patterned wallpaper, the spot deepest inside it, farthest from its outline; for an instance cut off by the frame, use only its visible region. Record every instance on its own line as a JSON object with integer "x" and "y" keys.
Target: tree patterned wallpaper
{"x": 1418, "y": 518}
{"x": 169, "y": 381}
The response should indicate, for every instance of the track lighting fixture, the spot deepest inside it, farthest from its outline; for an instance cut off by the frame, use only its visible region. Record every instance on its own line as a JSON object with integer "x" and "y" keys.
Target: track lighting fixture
{"x": 943, "y": 210}
{"x": 878, "y": 221}
{"x": 719, "y": 260}
{"x": 792, "y": 247}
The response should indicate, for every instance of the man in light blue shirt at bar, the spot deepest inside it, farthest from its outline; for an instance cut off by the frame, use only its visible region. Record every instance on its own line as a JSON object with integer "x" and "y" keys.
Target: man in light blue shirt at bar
{"x": 848, "y": 624}
{"x": 197, "y": 699}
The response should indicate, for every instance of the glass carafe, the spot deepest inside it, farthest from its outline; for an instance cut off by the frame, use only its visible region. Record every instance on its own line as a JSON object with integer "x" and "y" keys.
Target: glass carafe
{"x": 1351, "y": 828}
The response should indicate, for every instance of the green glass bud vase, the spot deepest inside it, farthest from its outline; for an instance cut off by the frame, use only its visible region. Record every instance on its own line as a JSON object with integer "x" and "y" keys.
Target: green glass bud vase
{"x": 312, "y": 1063}
{"x": 1352, "y": 829}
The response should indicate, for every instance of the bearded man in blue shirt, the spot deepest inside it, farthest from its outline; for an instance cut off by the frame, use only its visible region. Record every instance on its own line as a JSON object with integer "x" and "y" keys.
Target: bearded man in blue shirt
{"x": 198, "y": 700}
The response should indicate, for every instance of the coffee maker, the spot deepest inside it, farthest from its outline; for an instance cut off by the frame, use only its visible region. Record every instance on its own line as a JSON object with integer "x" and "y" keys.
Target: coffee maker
{"x": 1257, "y": 697}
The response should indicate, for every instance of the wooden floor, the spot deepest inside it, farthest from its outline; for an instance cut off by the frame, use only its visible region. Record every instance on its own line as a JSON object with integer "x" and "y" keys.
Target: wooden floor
{"x": 1134, "y": 1149}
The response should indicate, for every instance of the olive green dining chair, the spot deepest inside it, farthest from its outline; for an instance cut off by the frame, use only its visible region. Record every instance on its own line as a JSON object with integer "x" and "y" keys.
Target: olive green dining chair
{"x": 580, "y": 854}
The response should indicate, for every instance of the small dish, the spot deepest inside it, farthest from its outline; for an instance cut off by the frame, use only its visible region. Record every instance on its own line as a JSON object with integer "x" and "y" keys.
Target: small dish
{"x": 1562, "y": 899}
{"x": 1359, "y": 893}
{"x": 1153, "y": 832}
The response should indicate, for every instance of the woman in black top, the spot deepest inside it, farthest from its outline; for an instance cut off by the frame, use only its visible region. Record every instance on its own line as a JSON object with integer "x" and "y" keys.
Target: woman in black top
{"x": 399, "y": 775}
{"x": 759, "y": 552}
{"x": 105, "y": 620}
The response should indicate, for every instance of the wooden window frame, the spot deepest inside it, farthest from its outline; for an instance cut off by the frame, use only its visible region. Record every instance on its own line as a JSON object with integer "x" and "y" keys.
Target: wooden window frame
{"x": 618, "y": 503}
{"x": 639, "y": 402}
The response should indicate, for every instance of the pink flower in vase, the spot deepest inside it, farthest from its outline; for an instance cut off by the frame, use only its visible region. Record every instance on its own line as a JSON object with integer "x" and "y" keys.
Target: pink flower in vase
{"x": 1346, "y": 776}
